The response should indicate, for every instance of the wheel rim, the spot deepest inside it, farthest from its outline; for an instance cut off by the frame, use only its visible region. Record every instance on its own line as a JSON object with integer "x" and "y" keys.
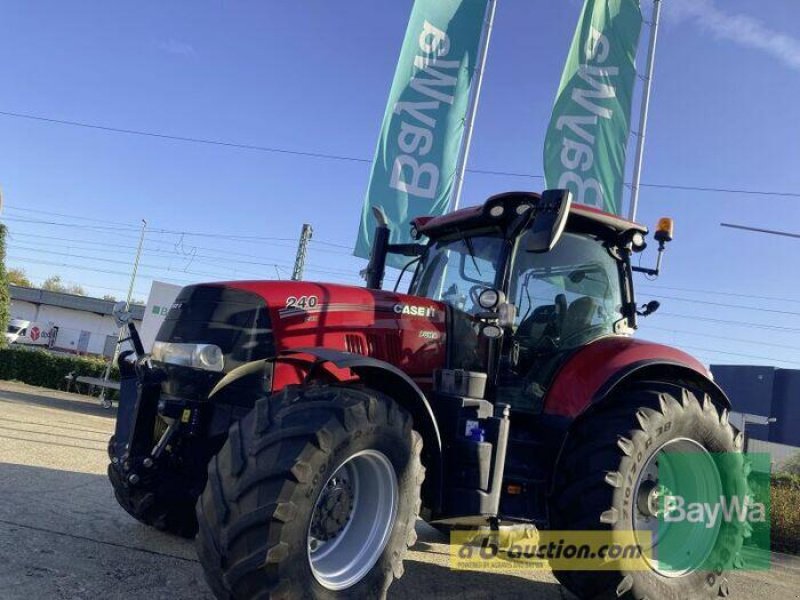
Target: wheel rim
{"x": 677, "y": 548}
{"x": 352, "y": 520}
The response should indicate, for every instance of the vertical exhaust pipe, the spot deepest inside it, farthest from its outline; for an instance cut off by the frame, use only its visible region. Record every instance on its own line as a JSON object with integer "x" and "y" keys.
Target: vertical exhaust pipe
{"x": 380, "y": 248}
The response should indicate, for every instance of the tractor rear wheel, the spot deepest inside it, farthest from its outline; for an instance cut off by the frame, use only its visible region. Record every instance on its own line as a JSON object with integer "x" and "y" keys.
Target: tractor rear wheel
{"x": 314, "y": 495}
{"x": 608, "y": 480}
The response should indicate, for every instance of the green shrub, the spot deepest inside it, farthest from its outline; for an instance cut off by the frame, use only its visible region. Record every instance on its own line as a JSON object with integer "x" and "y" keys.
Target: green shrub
{"x": 785, "y": 498}
{"x": 43, "y": 369}
{"x": 792, "y": 464}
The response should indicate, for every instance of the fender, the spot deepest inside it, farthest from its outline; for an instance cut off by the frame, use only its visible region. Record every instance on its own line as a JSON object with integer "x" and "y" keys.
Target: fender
{"x": 592, "y": 373}
{"x": 388, "y": 379}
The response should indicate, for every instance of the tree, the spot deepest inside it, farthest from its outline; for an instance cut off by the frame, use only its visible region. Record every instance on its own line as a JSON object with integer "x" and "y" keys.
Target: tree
{"x": 5, "y": 297}
{"x": 18, "y": 277}
{"x": 110, "y": 297}
{"x": 54, "y": 284}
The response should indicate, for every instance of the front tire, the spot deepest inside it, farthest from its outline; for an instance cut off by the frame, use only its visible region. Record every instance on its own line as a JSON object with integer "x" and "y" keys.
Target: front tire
{"x": 605, "y": 475}
{"x": 164, "y": 500}
{"x": 314, "y": 495}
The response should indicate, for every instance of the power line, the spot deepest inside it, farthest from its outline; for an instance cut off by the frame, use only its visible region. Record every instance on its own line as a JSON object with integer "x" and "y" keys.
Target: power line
{"x": 357, "y": 159}
{"x": 794, "y": 347}
{"x": 717, "y": 293}
{"x": 728, "y": 305}
{"x": 760, "y": 230}
{"x": 730, "y": 322}
{"x": 739, "y": 354}
{"x": 287, "y": 242}
{"x": 181, "y": 138}
{"x": 218, "y": 277}
{"x": 173, "y": 254}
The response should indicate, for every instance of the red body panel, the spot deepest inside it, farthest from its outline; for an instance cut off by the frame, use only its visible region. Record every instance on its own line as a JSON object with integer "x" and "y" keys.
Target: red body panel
{"x": 587, "y": 371}
{"x": 406, "y": 331}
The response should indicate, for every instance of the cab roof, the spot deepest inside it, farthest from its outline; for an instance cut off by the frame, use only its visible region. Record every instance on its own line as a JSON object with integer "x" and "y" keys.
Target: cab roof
{"x": 581, "y": 217}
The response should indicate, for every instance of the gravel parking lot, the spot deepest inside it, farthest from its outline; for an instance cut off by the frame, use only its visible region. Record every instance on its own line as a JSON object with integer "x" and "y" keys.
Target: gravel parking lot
{"x": 62, "y": 534}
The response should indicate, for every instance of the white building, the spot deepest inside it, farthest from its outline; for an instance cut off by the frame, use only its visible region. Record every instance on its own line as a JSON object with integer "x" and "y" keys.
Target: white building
{"x": 84, "y": 325}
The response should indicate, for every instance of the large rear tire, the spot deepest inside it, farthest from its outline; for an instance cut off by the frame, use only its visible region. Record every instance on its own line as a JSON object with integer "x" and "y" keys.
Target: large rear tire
{"x": 314, "y": 495}
{"x": 604, "y": 468}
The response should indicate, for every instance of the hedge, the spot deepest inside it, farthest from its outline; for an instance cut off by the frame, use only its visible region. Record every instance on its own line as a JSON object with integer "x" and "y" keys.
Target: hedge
{"x": 43, "y": 369}
{"x": 785, "y": 513}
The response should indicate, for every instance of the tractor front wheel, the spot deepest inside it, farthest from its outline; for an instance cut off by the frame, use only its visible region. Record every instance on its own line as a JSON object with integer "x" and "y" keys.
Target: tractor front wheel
{"x": 314, "y": 495}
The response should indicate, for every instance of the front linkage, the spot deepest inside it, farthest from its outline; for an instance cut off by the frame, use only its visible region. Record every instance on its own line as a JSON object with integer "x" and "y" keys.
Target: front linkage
{"x": 158, "y": 461}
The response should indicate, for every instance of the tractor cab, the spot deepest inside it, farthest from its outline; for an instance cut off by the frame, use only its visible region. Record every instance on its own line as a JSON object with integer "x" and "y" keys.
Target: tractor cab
{"x": 528, "y": 279}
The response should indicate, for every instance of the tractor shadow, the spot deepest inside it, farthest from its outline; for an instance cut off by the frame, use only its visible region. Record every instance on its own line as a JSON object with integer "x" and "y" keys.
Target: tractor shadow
{"x": 428, "y": 575}
{"x": 53, "y": 399}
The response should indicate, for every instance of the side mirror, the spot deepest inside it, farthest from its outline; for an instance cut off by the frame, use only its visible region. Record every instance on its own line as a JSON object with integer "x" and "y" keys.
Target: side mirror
{"x": 549, "y": 220}
{"x": 649, "y": 308}
{"x": 121, "y": 314}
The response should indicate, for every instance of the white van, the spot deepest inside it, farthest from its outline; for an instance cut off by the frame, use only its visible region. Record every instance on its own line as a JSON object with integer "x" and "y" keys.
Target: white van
{"x": 22, "y": 331}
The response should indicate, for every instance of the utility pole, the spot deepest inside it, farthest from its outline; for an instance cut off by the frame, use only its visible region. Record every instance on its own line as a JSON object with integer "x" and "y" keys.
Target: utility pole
{"x": 472, "y": 111}
{"x": 648, "y": 82}
{"x": 121, "y": 332}
{"x": 302, "y": 250}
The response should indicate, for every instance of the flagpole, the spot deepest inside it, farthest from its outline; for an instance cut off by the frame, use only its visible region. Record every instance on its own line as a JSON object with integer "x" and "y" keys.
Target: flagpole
{"x": 648, "y": 81}
{"x": 461, "y": 167}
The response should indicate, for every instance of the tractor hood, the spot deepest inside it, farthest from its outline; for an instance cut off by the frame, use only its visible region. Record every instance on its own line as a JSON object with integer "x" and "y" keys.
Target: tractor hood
{"x": 406, "y": 331}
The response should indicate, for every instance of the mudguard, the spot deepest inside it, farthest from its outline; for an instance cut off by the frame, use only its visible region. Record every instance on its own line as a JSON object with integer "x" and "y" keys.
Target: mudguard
{"x": 593, "y": 372}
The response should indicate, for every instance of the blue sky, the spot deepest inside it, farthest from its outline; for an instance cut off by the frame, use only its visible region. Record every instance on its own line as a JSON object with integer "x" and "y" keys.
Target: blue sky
{"x": 313, "y": 76}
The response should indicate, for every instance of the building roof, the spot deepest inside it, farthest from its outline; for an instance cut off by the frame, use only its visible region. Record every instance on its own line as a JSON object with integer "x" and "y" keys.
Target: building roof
{"x": 83, "y": 303}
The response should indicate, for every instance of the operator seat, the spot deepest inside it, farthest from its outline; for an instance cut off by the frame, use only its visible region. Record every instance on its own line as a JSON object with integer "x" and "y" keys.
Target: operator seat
{"x": 579, "y": 317}
{"x": 545, "y": 319}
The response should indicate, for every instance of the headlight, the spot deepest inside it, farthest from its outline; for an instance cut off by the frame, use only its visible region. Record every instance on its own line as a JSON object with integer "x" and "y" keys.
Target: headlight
{"x": 198, "y": 356}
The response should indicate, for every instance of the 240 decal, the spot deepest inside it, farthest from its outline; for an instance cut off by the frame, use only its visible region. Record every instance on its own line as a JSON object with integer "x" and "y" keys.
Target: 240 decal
{"x": 302, "y": 302}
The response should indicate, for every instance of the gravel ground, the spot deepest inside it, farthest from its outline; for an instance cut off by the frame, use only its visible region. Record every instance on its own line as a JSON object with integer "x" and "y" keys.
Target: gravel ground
{"x": 63, "y": 536}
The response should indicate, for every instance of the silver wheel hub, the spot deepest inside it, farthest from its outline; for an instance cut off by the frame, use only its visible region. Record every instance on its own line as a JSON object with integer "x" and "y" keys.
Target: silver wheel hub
{"x": 352, "y": 520}
{"x": 649, "y": 507}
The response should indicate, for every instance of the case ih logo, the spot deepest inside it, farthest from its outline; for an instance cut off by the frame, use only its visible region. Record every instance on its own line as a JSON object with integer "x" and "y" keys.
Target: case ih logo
{"x": 419, "y": 311}
{"x": 35, "y": 333}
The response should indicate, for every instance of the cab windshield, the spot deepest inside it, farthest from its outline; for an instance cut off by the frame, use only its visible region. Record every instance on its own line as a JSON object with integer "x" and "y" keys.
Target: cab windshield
{"x": 14, "y": 329}
{"x": 455, "y": 270}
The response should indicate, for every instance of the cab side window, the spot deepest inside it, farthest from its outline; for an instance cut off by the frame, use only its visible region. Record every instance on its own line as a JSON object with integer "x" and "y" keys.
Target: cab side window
{"x": 565, "y": 297}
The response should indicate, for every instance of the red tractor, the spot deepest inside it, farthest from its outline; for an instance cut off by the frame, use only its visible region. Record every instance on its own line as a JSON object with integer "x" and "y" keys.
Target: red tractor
{"x": 299, "y": 429}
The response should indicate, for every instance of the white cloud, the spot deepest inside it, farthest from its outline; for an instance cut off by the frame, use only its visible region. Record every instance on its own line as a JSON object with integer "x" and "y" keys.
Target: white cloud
{"x": 737, "y": 28}
{"x": 175, "y": 47}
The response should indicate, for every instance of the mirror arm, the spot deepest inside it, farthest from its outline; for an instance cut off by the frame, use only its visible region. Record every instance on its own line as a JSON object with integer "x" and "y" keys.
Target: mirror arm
{"x": 653, "y": 272}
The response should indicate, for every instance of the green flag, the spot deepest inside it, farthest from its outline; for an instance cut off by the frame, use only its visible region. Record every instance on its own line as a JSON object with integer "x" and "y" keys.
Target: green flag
{"x": 584, "y": 150}
{"x": 415, "y": 164}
